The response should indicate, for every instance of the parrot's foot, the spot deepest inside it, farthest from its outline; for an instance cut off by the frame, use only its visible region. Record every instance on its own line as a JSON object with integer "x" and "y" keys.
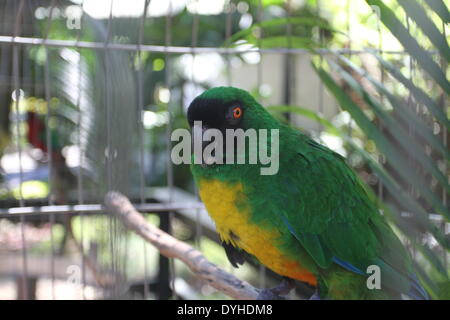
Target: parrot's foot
{"x": 315, "y": 296}
{"x": 277, "y": 292}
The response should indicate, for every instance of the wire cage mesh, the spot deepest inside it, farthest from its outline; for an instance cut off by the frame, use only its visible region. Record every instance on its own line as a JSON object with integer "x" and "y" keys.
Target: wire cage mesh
{"x": 94, "y": 90}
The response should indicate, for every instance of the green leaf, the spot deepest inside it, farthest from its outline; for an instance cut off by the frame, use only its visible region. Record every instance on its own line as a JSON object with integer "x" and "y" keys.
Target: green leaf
{"x": 418, "y": 14}
{"x": 248, "y": 34}
{"x": 306, "y": 113}
{"x": 420, "y": 215}
{"x": 440, "y": 8}
{"x": 287, "y": 42}
{"x": 418, "y": 93}
{"x": 433, "y": 258}
{"x": 428, "y": 284}
{"x": 400, "y": 133}
{"x": 390, "y": 151}
{"x": 444, "y": 290}
{"x": 405, "y": 112}
{"x": 266, "y": 3}
{"x": 411, "y": 45}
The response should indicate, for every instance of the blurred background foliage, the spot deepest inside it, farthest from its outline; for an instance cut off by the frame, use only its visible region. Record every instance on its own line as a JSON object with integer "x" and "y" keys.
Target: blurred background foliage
{"x": 382, "y": 101}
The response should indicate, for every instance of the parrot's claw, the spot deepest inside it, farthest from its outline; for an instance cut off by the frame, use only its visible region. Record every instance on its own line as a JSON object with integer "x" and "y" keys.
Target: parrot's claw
{"x": 268, "y": 294}
{"x": 315, "y": 296}
{"x": 278, "y": 292}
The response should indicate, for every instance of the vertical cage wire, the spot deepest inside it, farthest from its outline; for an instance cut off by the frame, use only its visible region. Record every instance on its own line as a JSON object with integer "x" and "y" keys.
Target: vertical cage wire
{"x": 16, "y": 80}
{"x": 411, "y": 105}
{"x": 109, "y": 152}
{"x": 194, "y": 44}
{"x": 259, "y": 83}
{"x": 166, "y": 220}
{"x": 49, "y": 147}
{"x": 444, "y": 225}
{"x": 229, "y": 9}
{"x": 259, "y": 20}
{"x": 349, "y": 35}
{"x": 321, "y": 88}
{"x": 380, "y": 191}
{"x": 23, "y": 282}
{"x": 80, "y": 196}
{"x": 141, "y": 136}
{"x": 228, "y": 29}
{"x": 289, "y": 75}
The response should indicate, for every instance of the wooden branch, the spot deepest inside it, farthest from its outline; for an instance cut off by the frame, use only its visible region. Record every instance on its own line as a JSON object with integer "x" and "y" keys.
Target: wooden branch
{"x": 120, "y": 206}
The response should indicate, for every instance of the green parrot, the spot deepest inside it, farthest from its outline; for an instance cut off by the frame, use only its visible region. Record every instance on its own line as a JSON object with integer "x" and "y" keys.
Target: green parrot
{"x": 311, "y": 221}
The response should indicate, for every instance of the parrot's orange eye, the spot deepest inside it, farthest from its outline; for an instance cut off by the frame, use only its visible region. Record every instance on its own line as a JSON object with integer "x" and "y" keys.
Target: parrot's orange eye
{"x": 237, "y": 112}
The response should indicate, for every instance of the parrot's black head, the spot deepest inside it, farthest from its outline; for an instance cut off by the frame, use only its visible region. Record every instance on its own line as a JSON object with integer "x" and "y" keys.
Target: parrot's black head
{"x": 229, "y": 108}
{"x": 222, "y": 109}
{"x": 216, "y": 110}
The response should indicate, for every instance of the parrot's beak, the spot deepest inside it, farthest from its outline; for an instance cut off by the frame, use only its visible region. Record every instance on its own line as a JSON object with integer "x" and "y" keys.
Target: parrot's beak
{"x": 197, "y": 138}
{"x": 204, "y": 163}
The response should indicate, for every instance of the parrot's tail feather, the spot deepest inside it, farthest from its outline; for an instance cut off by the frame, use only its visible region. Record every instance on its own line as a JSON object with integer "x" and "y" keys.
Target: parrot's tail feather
{"x": 347, "y": 266}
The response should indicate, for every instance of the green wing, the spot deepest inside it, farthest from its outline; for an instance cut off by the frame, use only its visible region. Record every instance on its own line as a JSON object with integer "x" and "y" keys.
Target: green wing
{"x": 330, "y": 213}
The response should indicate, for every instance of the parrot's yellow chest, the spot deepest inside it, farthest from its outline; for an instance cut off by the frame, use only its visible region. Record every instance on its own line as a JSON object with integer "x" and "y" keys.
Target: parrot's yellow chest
{"x": 226, "y": 205}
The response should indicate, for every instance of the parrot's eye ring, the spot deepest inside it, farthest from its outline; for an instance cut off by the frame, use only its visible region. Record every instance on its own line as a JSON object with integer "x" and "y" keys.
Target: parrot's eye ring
{"x": 237, "y": 112}
{"x": 234, "y": 114}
